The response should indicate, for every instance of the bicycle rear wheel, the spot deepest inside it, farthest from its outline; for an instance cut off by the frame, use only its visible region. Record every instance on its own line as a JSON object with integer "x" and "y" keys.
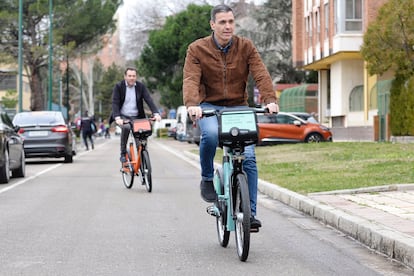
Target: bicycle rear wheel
{"x": 146, "y": 170}
{"x": 242, "y": 216}
{"x": 221, "y": 221}
{"x": 127, "y": 169}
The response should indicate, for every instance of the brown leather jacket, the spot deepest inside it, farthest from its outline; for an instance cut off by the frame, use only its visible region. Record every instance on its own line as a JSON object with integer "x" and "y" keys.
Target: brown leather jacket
{"x": 217, "y": 78}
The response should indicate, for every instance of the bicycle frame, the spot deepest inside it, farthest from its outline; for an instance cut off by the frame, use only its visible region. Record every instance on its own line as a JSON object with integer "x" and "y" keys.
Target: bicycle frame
{"x": 140, "y": 144}
{"x": 227, "y": 168}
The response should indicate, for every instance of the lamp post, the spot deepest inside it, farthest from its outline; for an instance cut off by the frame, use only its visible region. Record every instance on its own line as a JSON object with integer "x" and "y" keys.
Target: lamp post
{"x": 81, "y": 84}
{"x": 50, "y": 55}
{"x": 20, "y": 55}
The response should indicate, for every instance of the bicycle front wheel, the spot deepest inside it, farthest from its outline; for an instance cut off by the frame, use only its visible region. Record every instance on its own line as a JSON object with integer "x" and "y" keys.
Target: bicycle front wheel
{"x": 242, "y": 216}
{"x": 146, "y": 170}
{"x": 221, "y": 221}
{"x": 127, "y": 170}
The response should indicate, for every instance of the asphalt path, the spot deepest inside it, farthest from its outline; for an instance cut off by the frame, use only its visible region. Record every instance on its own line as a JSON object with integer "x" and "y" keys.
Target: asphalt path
{"x": 79, "y": 219}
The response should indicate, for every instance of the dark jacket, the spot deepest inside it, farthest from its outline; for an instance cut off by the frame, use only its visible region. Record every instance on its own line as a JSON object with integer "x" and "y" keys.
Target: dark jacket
{"x": 142, "y": 94}
{"x": 214, "y": 77}
{"x": 87, "y": 125}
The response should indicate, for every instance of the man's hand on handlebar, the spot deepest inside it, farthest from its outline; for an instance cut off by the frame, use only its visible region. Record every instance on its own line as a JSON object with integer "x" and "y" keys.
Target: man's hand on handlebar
{"x": 273, "y": 108}
{"x": 156, "y": 117}
{"x": 194, "y": 112}
{"x": 119, "y": 121}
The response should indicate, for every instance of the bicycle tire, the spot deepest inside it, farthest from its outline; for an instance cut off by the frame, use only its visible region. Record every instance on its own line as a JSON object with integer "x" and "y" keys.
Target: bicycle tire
{"x": 221, "y": 221}
{"x": 127, "y": 170}
{"x": 146, "y": 170}
{"x": 242, "y": 214}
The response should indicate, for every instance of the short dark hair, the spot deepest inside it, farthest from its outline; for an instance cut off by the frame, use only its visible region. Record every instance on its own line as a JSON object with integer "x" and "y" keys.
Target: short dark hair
{"x": 130, "y": 69}
{"x": 217, "y": 9}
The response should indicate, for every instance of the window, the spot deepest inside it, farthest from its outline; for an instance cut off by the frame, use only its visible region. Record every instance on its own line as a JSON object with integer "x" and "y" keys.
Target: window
{"x": 353, "y": 15}
{"x": 326, "y": 12}
{"x": 356, "y": 98}
{"x": 8, "y": 81}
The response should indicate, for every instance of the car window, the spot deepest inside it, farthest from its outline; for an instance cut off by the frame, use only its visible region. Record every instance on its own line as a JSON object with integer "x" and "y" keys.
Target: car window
{"x": 284, "y": 119}
{"x": 266, "y": 119}
{"x": 41, "y": 118}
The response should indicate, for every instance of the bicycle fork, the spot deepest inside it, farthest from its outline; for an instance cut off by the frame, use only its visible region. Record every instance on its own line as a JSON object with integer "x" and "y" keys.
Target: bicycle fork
{"x": 223, "y": 189}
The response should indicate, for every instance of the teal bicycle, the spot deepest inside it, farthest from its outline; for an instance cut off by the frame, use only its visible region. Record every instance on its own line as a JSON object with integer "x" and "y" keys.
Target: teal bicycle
{"x": 237, "y": 129}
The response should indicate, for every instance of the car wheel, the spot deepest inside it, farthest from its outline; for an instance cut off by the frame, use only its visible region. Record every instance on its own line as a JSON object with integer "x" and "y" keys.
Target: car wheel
{"x": 68, "y": 158}
{"x": 314, "y": 138}
{"x": 5, "y": 169}
{"x": 21, "y": 170}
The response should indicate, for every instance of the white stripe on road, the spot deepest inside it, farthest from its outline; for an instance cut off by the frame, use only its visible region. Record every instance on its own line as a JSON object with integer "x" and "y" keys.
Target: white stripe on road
{"x": 29, "y": 178}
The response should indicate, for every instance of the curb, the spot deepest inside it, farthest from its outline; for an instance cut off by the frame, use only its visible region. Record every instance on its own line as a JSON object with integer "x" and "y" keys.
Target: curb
{"x": 393, "y": 244}
{"x": 387, "y": 241}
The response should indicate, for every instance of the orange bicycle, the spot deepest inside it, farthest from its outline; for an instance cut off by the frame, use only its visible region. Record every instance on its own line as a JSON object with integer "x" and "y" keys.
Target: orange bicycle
{"x": 137, "y": 156}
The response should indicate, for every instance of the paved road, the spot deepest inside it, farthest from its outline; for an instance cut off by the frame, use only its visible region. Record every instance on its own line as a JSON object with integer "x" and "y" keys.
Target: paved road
{"x": 382, "y": 217}
{"x": 78, "y": 219}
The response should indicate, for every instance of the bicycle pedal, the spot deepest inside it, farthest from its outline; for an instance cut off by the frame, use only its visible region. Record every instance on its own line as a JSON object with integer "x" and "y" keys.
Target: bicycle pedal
{"x": 211, "y": 210}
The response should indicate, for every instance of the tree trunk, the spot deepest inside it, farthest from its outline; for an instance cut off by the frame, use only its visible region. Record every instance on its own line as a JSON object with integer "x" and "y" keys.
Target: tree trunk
{"x": 37, "y": 99}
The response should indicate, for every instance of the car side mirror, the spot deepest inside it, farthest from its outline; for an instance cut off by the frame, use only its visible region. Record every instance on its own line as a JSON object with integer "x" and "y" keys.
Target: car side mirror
{"x": 297, "y": 123}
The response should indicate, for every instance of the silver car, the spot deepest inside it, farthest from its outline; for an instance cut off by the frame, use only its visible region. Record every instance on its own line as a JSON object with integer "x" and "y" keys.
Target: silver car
{"x": 46, "y": 134}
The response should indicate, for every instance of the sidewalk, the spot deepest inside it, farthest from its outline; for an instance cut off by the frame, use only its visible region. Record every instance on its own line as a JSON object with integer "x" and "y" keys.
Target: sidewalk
{"x": 382, "y": 217}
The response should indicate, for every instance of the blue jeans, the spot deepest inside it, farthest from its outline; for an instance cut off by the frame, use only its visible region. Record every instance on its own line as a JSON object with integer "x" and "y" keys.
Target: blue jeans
{"x": 208, "y": 145}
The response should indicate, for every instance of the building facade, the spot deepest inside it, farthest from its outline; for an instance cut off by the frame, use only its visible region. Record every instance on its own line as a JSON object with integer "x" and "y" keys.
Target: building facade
{"x": 327, "y": 36}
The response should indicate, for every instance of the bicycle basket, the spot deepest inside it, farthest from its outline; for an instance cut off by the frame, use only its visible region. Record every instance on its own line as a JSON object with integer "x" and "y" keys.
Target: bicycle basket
{"x": 237, "y": 127}
{"x": 141, "y": 127}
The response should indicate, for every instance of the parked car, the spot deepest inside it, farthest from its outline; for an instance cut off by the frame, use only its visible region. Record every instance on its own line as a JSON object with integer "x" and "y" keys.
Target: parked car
{"x": 193, "y": 133}
{"x": 46, "y": 134}
{"x": 286, "y": 127}
{"x": 12, "y": 157}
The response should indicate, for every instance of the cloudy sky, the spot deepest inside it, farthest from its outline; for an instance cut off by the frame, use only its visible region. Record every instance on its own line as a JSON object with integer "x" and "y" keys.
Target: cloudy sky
{"x": 138, "y": 15}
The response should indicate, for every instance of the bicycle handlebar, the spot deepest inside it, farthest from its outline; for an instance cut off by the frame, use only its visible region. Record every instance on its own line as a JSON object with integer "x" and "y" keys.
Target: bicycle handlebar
{"x": 212, "y": 112}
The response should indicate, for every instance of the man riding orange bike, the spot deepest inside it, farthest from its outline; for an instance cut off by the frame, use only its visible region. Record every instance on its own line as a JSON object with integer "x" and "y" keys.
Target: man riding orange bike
{"x": 215, "y": 76}
{"x": 128, "y": 98}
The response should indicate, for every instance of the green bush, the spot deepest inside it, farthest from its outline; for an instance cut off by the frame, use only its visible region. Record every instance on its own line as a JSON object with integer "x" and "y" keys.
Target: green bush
{"x": 402, "y": 107}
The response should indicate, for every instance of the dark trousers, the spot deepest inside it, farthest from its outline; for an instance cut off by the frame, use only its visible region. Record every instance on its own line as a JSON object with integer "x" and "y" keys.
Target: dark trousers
{"x": 87, "y": 135}
{"x": 125, "y": 133}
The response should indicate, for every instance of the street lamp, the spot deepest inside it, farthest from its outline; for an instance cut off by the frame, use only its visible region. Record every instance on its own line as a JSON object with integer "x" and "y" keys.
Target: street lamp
{"x": 50, "y": 55}
{"x": 20, "y": 55}
{"x": 81, "y": 84}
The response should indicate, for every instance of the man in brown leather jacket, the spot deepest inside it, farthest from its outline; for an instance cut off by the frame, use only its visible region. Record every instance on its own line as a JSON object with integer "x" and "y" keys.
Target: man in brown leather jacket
{"x": 215, "y": 76}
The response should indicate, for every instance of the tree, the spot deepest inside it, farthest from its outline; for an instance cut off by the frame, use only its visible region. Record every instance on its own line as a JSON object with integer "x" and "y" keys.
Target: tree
{"x": 93, "y": 19}
{"x": 388, "y": 46}
{"x": 162, "y": 59}
{"x": 10, "y": 99}
{"x": 104, "y": 87}
{"x": 269, "y": 26}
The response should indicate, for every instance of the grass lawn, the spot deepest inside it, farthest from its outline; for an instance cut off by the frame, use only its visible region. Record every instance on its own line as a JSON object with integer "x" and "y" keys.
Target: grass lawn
{"x": 318, "y": 167}
{"x": 307, "y": 168}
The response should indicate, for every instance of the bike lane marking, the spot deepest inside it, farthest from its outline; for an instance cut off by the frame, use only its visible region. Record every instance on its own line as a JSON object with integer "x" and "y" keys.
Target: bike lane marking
{"x": 25, "y": 179}
{"x": 29, "y": 178}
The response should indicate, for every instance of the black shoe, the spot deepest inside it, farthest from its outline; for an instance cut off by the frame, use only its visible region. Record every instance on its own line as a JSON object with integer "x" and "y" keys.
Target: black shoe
{"x": 255, "y": 223}
{"x": 122, "y": 158}
{"x": 93, "y": 147}
{"x": 207, "y": 191}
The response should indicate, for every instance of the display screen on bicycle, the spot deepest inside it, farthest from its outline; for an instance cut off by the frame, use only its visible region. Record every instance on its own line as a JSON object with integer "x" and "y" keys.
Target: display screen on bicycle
{"x": 237, "y": 127}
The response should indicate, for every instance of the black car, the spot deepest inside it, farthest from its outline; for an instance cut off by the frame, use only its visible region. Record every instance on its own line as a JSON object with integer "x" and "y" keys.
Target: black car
{"x": 12, "y": 157}
{"x": 46, "y": 134}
